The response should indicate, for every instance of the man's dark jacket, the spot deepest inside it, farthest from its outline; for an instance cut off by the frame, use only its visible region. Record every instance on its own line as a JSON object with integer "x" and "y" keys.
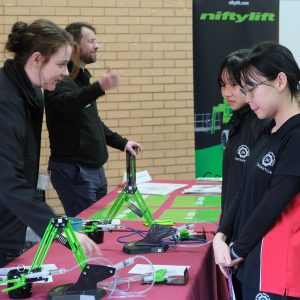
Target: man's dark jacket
{"x": 76, "y": 132}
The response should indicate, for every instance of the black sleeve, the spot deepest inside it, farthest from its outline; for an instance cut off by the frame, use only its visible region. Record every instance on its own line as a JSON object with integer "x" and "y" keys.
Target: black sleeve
{"x": 70, "y": 98}
{"x": 228, "y": 217}
{"x": 281, "y": 191}
{"x": 17, "y": 194}
{"x": 113, "y": 139}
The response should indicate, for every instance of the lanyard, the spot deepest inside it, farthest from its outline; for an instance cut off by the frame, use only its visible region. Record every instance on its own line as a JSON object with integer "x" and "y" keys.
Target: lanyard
{"x": 230, "y": 285}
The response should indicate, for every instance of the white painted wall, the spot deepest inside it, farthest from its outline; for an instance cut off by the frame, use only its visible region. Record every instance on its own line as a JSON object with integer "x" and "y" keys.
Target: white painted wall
{"x": 289, "y": 26}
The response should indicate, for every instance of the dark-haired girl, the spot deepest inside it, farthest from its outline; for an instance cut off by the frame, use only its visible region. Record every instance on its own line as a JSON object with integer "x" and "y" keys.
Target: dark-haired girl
{"x": 244, "y": 131}
{"x": 264, "y": 220}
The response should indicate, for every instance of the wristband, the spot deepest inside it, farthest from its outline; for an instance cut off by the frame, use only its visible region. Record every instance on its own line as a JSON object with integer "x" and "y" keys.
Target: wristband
{"x": 233, "y": 255}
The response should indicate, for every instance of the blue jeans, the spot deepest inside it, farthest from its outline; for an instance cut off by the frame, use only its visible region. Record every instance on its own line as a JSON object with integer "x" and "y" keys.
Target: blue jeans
{"x": 77, "y": 186}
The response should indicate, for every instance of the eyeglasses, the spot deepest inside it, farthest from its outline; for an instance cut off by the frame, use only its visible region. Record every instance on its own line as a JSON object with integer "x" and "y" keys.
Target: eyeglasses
{"x": 249, "y": 91}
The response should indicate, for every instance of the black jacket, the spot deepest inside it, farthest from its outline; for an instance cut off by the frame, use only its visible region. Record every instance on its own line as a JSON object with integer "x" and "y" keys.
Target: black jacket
{"x": 245, "y": 131}
{"x": 76, "y": 132}
{"x": 21, "y": 115}
{"x": 264, "y": 218}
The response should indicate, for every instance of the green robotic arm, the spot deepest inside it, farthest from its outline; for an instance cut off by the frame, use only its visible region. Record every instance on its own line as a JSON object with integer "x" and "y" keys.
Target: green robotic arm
{"x": 19, "y": 282}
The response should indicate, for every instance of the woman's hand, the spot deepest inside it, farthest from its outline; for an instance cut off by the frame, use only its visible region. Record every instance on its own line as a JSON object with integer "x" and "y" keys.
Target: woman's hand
{"x": 236, "y": 262}
{"x": 221, "y": 253}
{"x": 89, "y": 247}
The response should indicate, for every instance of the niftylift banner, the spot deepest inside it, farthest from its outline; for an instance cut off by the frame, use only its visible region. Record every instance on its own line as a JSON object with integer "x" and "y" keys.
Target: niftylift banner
{"x": 220, "y": 27}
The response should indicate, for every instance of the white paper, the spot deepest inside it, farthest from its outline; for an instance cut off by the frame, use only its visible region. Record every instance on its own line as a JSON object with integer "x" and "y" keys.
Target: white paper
{"x": 204, "y": 189}
{"x": 144, "y": 269}
{"x": 217, "y": 179}
{"x": 141, "y": 177}
{"x": 151, "y": 188}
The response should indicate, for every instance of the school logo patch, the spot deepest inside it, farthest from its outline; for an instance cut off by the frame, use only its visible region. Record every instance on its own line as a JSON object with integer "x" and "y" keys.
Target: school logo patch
{"x": 268, "y": 160}
{"x": 262, "y": 296}
{"x": 243, "y": 152}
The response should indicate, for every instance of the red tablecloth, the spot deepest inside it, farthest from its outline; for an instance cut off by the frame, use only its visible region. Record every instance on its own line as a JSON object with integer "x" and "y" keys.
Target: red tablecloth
{"x": 205, "y": 280}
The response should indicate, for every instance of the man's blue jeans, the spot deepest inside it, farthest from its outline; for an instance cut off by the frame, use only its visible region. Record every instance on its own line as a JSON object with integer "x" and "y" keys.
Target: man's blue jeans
{"x": 77, "y": 186}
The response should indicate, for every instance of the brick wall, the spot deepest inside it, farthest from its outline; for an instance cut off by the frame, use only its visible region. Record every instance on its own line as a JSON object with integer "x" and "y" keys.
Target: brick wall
{"x": 150, "y": 43}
